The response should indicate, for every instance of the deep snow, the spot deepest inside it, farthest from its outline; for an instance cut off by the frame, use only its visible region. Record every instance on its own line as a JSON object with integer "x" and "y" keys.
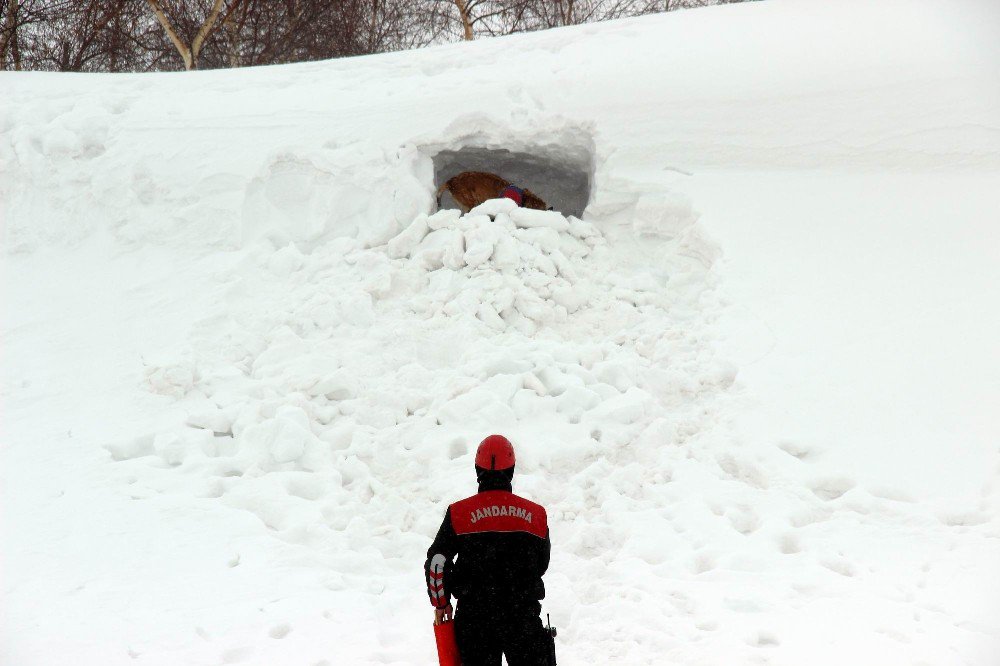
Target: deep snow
{"x": 244, "y": 365}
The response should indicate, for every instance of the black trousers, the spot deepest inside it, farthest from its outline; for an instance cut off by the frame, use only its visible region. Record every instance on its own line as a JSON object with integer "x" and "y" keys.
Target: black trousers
{"x": 484, "y": 632}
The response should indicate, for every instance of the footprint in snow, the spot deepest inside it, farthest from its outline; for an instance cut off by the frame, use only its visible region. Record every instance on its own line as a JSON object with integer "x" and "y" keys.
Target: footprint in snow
{"x": 703, "y": 562}
{"x": 235, "y": 655}
{"x": 764, "y": 639}
{"x": 798, "y": 450}
{"x": 789, "y": 544}
{"x": 964, "y": 519}
{"x": 457, "y": 448}
{"x": 831, "y": 488}
{"x": 744, "y": 520}
{"x": 280, "y": 630}
{"x": 840, "y": 566}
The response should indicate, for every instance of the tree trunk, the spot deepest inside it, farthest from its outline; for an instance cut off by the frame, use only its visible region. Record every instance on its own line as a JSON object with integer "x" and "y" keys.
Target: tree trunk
{"x": 204, "y": 32}
{"x": 181, "y": 47}
{"x": 188, "y": 53}
{"x": 465, "y": 19}
{"x": 233, "y": 43}
{"x": 8, "y": 29}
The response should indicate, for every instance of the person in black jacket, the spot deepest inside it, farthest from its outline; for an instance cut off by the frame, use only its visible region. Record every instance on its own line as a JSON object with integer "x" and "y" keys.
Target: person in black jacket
{"x": 502, "y": 545}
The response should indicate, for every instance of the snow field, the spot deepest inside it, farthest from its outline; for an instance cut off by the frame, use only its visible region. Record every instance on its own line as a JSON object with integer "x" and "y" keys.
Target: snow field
{"x": 245, "y": 368}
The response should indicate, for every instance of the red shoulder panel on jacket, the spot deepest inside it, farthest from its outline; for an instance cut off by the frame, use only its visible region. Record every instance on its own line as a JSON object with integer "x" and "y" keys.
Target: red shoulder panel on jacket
{"x": 498, "y": 511}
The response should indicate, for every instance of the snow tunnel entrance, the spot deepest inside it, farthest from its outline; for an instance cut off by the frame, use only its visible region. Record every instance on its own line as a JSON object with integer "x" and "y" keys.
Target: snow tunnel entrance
{"x": 561, "y": 178}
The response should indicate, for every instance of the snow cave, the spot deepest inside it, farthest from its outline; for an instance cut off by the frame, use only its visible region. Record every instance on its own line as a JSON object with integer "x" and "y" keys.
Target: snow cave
{"x": 560, "y": 175}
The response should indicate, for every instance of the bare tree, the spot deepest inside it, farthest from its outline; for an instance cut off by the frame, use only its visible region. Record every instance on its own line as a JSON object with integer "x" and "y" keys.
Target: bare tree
{"x": 391, "y": 25}
{"x": 137, "y": 35}
{"x": 130, "y": 38}
{"x": 190, "y": 49}
{"x": 555, "y": 13}
{"x": 18, "y": 18}
{"x": 9, "y": 14}
{"x": 75, "y": 36}
{"x": 280, "y": 31}
{"x": 473, "y": 16}
{"x": 496, "y": 17}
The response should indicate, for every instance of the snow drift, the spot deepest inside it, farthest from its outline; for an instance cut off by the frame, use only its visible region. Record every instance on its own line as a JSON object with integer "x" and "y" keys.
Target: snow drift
{"x": 748, "y": 363}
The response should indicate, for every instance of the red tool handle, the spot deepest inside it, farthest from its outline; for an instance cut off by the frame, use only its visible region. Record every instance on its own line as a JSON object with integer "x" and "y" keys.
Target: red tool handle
{"x": 444, "y": 634}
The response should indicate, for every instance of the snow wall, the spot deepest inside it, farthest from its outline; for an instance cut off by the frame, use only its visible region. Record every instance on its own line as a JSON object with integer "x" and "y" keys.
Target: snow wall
{"x": 296, "y": 193}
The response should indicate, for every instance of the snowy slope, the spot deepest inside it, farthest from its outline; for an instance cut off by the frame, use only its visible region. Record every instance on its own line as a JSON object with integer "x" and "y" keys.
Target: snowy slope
{"x": 244, "y": 366}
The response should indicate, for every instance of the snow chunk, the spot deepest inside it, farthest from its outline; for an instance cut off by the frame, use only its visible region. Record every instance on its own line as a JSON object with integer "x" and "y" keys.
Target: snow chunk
{"x": 494, "y": 207}
{"x": 627, "y": 408}
{"x": 446, "y": 217}
{"x": 480, "y": 242}
{"x": 528, "y": 218}
{"x": 617, "y": 373}
{"x": 576, "y": 400}
{"x": 279, "y": 440}
{"x": 285, "y": 261}
{"x": 214, "y": 420}
{"x": 404, "y": 243}
{"x": 338, "y": 385}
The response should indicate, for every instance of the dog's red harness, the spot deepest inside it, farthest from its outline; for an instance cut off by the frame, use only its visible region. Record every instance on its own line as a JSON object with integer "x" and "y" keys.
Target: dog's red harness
{"x": 514, "y": 193}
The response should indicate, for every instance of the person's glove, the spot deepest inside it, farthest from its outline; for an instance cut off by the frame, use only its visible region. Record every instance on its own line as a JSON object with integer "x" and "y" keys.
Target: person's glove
{"x": 442, "y": 614}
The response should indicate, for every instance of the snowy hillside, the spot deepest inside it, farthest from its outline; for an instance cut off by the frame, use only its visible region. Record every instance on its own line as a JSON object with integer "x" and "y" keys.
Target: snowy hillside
{"x": 245, "y": 363}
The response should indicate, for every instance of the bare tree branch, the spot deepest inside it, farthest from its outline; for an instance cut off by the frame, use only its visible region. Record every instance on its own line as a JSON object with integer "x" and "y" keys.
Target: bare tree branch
{"x": 190, "y": 52}
{"x": 181, "y": 47}
{"x": 206, "y": 28}
{"x": 155, "y": 35}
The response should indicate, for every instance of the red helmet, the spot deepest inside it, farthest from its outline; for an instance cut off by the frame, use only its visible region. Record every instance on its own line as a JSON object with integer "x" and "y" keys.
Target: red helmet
{"x": 495, "y": 453}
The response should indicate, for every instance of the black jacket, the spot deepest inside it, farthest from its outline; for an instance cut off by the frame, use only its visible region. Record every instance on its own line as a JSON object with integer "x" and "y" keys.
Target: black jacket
{"x": 502, "y": 546}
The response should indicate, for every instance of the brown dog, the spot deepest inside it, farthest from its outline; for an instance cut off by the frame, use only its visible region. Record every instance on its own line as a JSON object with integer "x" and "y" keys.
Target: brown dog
{"x": 471, "y": 188}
